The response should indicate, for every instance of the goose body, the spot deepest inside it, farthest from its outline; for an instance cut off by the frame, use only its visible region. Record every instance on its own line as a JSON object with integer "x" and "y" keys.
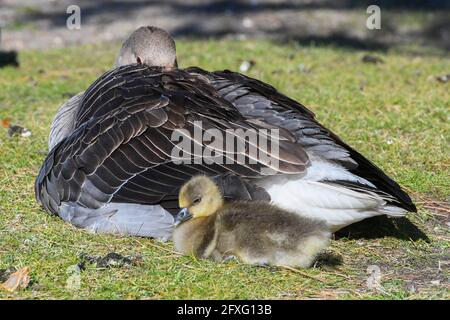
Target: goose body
{"x": 110, "y": 166}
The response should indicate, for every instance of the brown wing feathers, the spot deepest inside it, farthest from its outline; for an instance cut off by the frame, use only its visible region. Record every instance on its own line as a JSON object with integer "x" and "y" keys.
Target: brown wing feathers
{"x": 255, "y": 99}
{"x": 121, "y": 149}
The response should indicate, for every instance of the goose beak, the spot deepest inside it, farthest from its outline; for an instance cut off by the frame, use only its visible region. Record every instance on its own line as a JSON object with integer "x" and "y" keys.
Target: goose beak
{"x": 182, "y": 216}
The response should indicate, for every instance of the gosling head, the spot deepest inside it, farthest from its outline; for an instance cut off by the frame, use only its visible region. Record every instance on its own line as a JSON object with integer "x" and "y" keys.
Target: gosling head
{"x": 198, "y": 198}
{"x": 151, "y": 46}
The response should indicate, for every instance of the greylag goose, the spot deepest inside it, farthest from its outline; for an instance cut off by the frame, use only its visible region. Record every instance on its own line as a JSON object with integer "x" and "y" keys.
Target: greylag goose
{"x": 255, "y": 232}
{"x": 111, "y": 169}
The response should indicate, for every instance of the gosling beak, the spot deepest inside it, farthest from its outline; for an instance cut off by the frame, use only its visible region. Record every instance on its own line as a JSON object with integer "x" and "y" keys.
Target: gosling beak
{"x": 183, "y": 216}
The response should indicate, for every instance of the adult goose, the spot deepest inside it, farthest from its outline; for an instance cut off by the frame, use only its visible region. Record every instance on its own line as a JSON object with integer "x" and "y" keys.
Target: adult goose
{"x": 111, "y": 168}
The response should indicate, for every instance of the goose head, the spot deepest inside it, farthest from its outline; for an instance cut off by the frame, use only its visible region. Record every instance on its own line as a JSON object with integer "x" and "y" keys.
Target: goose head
{"x": 148, "y": 45}
{"x": 200, "y": 197}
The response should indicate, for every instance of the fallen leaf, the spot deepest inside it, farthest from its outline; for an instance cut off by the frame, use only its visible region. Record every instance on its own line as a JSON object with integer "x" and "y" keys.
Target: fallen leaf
{"x": 18, "y": 280}
{"x": 6, "y": 122}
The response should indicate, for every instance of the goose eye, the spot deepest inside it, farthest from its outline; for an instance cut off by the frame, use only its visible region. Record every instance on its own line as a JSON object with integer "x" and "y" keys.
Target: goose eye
{"x": 196, "y": 200}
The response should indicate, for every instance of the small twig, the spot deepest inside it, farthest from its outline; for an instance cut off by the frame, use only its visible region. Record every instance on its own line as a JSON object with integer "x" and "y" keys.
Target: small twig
{"x": 164, "y": 249}
{"x": 302, "y": 273}
{"x": 189, "y": 267}
{"x": 432, "y": 201}
{"x": 355, "y": 292}
{"x": 339, "y": 275}
{"x": 440, "y": 208}
{"x": 177, "y": 255}
{"x": 442, "y": 238}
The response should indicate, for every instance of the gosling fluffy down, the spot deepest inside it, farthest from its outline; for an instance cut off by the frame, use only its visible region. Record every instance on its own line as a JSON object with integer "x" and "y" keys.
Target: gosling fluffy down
{"x": 255, "y": 232}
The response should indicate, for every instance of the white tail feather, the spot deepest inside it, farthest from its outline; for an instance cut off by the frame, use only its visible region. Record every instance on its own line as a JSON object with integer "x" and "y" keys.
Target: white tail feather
{"x": 337, "y": 205}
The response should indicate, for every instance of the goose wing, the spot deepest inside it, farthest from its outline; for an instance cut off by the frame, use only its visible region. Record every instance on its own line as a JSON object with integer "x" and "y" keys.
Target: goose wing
{"x": 64, "y": 121}
{"x": 122, "y": 148}
{"x": 256, "y": 99}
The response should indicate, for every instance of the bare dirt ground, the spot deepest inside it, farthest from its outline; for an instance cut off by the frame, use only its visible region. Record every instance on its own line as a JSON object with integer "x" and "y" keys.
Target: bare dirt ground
{"x": 41, "y": 24}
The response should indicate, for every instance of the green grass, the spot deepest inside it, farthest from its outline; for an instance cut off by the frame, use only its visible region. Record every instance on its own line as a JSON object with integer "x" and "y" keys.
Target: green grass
{"x": 396, "y": 113}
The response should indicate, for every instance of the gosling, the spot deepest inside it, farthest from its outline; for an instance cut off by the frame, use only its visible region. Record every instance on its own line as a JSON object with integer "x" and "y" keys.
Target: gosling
{"x": 254, "y": 232}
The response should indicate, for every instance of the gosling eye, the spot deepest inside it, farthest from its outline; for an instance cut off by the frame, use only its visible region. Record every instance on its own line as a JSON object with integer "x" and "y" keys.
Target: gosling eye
{"x": 196, "y": 200}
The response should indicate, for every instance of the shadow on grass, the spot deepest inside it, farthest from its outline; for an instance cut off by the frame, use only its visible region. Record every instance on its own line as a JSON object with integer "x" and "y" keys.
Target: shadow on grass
{"x": 187, "y": 13}
{"x": 382, "y": 226}
{"x": 340, "y": 40}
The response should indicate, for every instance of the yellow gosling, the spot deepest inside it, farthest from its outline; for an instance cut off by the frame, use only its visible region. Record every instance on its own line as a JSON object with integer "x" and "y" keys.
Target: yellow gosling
{"x": 255, "y": 232}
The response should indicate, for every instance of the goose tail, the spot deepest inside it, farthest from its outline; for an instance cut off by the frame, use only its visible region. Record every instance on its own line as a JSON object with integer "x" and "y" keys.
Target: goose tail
{"x": 393, "y": 211}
